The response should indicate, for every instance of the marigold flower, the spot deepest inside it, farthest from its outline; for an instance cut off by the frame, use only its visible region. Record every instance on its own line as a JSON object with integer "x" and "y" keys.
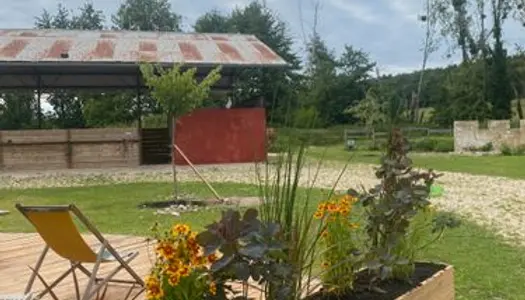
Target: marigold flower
{"x": 180, "y": 229}
{"x": 212, "y": 258}
{"x": 344, "y": 211}
{"x": 184, "y": 271}
{"x": 319, "y": 214}
{"x": 353, "y": 225}
{"x": 174, "y": 279}
{"x": 166, "y": 250}
{"x": 332, "y": 207}
{"x": 321, "y": 206}
{"x": 153, "y": 288}
{"x": 213, "y": 288}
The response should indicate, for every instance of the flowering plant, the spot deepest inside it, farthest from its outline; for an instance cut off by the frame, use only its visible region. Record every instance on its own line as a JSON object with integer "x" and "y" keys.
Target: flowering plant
{"x": 341, "y": 242}
{"x": 180, "y": 271}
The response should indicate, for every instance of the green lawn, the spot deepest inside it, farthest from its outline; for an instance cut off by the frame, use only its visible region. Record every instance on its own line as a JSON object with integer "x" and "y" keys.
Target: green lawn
{"x": 508, "y": 166}
{"x": 486, "y": 268}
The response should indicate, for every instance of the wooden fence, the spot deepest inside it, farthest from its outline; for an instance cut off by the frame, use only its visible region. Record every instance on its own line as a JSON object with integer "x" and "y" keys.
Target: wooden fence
{"x": 71, "y": 149}
{"x": 419, "y": 131}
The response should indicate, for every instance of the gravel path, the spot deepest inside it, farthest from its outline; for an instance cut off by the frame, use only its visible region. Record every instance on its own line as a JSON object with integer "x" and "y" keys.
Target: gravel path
{"x": 491, "y": 201}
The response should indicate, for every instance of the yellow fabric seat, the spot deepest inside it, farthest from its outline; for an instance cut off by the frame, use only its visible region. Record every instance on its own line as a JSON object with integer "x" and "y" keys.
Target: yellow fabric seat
{"x": 57, "y": 228}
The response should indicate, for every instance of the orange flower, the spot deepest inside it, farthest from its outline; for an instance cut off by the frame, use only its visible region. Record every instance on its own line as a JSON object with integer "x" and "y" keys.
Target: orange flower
{"x": 213, "y": 288}
{"x": 184, "y": 271}
{"x": 212, "y": 258}
{"x": 332, "y": 207}
{"x": 180, "y": 229}
{"x": 153, "y": 288}
{"x": 319, "y": 214}
{"x": 166, "y": 250}
{"x": 174, "y": 279}
{"x": 173, "y": 268}
{"x": 344, "y": 211}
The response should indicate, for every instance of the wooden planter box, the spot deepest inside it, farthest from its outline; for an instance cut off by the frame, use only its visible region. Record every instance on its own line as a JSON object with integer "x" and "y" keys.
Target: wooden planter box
{"x": 438, "y": 287}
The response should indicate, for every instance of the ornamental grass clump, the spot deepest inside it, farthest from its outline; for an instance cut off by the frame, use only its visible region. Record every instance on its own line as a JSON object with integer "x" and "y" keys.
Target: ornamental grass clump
{"x": 181, "y": 267}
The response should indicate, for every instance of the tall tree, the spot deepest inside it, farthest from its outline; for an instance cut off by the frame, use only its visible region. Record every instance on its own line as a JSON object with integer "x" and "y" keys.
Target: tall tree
{"x": 17, "y": 110}
{"x": 276, "y": 87}
{"x": 147, "y": 15}
{"x": 500, "y": 89}
{"x": 89, "y": 18}
{"x": 213, "y": 22}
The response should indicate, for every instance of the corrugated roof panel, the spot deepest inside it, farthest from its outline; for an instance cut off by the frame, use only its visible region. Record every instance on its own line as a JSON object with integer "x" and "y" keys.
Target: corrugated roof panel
{"x": 133, "y": 46}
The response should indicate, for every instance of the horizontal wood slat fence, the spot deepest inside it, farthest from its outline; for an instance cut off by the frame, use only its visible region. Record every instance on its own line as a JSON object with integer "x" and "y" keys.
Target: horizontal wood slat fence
{"x": 69, "y": 148}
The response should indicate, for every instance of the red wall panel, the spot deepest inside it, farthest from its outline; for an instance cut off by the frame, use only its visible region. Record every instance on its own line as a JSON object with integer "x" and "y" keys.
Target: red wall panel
{"x": 215, "y": 136}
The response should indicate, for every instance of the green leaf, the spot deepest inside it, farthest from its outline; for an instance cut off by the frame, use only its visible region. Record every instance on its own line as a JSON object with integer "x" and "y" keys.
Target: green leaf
{"x": 250, "y": 215}
{"x": 241, "y": 270}
{"x": 255, "y": 251}
{"x": 222, "y": 263}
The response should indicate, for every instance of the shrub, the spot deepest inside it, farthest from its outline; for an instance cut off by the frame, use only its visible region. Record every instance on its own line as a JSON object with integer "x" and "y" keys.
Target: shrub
{"x": 506, "y": 150}
{"x": 444, "y": 145}
{"x": 433, "y": 145}
{"x": 425, "y": 145}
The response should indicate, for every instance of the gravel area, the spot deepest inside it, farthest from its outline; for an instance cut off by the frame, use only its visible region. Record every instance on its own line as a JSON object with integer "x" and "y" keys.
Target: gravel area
{"x": 491, "y": 201}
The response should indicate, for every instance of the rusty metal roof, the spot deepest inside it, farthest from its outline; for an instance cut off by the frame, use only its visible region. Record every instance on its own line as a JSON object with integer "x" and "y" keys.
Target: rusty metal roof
{"x": 130, "y": 47}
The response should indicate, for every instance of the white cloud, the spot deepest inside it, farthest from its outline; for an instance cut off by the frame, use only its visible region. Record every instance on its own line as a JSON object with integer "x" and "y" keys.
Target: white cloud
{"x": 408, "y": 10}
{"x": 357, "y": 10}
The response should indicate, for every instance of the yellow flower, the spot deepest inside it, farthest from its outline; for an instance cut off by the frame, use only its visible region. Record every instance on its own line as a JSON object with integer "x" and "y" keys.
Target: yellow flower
{"x": 212, "y": 258}
{"x": 332, "y": 207}
{"x": 166, "y": 250}
{"x": 353, "y": 225}
{"x": 213, "y": 288}
{"x": 174, "y": 279}
{"x": 319, "y": 214}
{"x": 344, "y": 211}
{"x": 325, "y": 265}
{"x": 324, "y": 233}
{"x": 180, "y": 229}
{"x": 184, "y": 271}
{"x": 153, "y": 288}
{"x": 321, "y": 206}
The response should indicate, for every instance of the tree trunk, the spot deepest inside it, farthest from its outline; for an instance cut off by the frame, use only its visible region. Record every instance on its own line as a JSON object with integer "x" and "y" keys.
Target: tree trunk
{"x": 173, "y": 155}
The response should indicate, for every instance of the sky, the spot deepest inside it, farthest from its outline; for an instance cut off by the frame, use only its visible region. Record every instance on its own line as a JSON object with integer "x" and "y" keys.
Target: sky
{"x": 388, "y": 30}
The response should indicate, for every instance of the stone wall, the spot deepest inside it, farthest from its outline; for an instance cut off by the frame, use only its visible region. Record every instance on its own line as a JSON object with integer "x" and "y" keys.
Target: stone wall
{"x": 469, "y": 134}
{"x": 69, "y": 149}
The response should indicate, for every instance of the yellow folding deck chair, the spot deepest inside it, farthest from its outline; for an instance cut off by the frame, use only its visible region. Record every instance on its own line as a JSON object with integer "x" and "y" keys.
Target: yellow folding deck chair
{"x": 55, "y": 225}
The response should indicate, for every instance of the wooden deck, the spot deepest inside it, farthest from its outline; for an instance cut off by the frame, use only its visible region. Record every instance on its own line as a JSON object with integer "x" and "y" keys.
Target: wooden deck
{"x": 20, "y": 250}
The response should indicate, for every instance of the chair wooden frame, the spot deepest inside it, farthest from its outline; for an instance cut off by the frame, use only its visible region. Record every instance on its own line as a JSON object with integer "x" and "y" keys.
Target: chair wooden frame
{"x": 95, "y": 283}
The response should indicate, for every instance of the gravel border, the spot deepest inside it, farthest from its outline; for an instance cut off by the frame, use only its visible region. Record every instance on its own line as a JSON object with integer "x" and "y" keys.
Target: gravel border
{"x": 496, "y": 202}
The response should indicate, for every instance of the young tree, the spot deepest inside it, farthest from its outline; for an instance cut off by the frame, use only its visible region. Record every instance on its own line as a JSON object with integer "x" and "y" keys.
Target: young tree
{"x": 369, "y": 111}
{"x": 179, "y": 93}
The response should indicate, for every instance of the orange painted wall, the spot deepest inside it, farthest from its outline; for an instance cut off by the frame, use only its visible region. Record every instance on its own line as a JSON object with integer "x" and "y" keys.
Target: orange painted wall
{"x": 217, "y": 136}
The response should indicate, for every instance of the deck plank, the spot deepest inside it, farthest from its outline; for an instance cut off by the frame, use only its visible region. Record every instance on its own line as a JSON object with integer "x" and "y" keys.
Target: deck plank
{"x": 18, "y": 251}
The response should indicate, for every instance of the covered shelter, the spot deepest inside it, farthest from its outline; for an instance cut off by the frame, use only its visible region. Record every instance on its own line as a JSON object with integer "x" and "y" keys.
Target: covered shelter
{"x": 47, "y": 59}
